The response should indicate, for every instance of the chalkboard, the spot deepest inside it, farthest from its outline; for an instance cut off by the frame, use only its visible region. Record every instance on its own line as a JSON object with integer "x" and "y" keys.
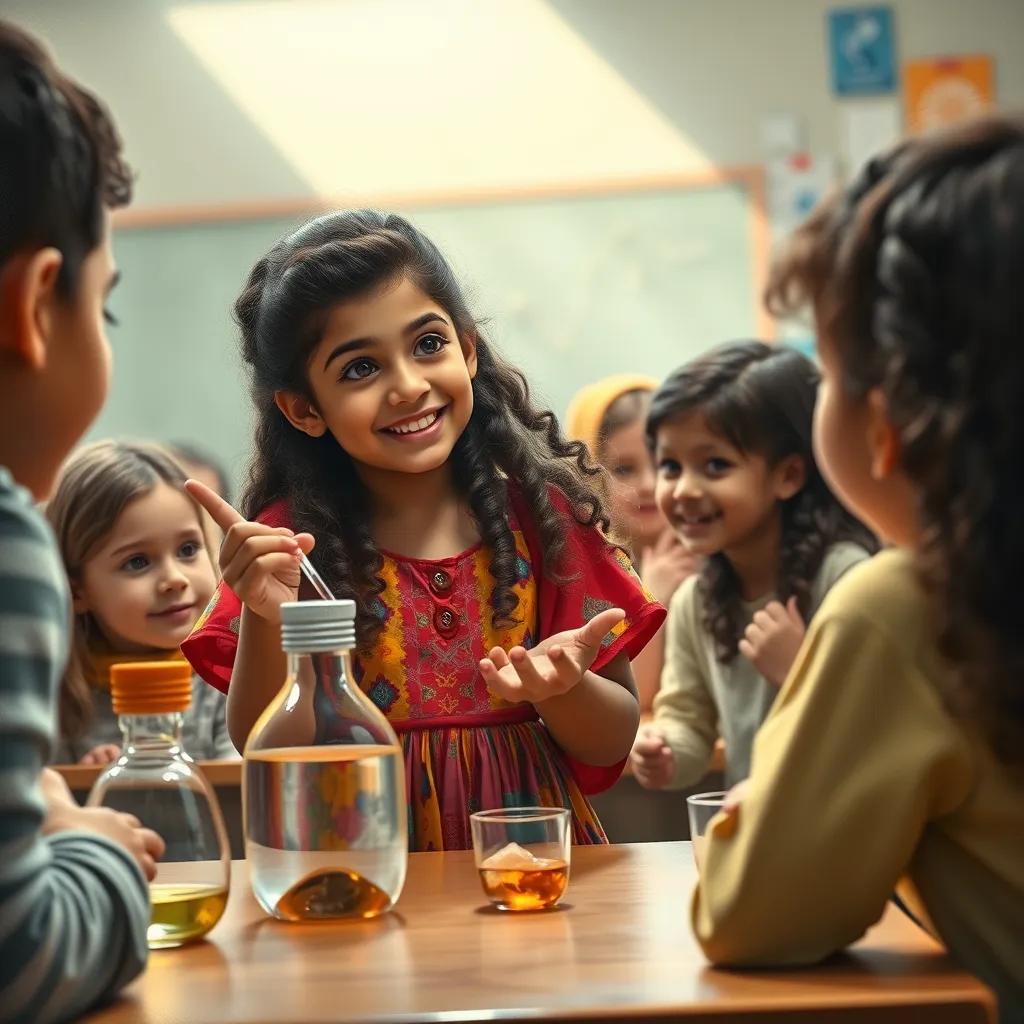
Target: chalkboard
{"x": 571, "y": 289}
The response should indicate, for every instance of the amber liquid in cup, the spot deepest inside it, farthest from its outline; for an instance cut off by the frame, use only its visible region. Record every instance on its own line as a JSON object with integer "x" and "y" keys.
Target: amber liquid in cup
{"x": 522, "y": 855}
{"x": 537, "y": 887}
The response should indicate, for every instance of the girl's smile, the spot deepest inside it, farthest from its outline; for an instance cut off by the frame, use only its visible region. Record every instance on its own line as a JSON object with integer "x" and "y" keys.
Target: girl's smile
{"x": 693, "y": 525}
{"x": 423, "y": 427}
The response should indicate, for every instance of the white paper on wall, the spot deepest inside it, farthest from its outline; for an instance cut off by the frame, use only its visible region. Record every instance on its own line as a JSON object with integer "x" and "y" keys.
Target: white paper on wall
{"x": 867, "y": 127}
{"x": 796, "y": 183}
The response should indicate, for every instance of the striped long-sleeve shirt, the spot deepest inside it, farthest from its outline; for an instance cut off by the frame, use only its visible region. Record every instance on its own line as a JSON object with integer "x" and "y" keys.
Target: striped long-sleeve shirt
{"x": 74, "y": 906}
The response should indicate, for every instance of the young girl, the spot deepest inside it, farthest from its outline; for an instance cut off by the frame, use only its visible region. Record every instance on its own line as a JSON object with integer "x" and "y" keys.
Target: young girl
{"x": 609, "y": 417}
{"x": 894, "y": 758}
{"x": 731, "y": 436}
{"x": 140, "y": 572}
{"x": 449, "y": 508}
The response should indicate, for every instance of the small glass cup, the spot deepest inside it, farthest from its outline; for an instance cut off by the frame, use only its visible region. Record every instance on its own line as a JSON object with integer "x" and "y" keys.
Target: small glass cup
{"x": 522, "y": 854}
{"x": 702, "y": 807}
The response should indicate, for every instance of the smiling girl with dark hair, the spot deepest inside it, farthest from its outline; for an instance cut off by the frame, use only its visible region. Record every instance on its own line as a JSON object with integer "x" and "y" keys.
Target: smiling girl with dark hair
{"x": 495, "y": 622}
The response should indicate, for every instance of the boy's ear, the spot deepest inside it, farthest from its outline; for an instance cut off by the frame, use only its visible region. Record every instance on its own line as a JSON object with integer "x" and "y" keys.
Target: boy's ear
{"x": 79, "y": 605}
{"x": 882, "y": 437}
{"x": 300, "y": 413}
{"x": 468, "y": 344}
{"x": 28, "y": 291}
{"x": 790, "y": 476}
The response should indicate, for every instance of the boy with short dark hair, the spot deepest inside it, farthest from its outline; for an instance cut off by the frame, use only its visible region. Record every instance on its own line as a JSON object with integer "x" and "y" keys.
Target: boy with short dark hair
{"x": 74, "y": 905}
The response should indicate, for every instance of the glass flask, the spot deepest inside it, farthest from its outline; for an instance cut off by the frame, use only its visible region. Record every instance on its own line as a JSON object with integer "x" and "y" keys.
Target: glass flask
{"x": 323, "y": 787}
{"x": 156, "y": 780}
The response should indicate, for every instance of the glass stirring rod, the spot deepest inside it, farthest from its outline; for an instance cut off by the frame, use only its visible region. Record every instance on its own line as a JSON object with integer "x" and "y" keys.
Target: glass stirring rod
{"x": 314, "y": 577}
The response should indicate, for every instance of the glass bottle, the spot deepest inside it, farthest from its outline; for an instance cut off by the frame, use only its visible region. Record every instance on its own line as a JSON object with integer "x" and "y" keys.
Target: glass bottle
{"x": 156, "y": 780}
{"x": 323, "y": 787}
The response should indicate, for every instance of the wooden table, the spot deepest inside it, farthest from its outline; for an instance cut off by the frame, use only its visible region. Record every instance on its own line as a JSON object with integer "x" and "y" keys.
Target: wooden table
{"x": 620, "y": 948}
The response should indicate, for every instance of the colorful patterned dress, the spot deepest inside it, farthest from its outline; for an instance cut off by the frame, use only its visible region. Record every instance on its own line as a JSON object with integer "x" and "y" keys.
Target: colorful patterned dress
{"x": 466, "y": 749}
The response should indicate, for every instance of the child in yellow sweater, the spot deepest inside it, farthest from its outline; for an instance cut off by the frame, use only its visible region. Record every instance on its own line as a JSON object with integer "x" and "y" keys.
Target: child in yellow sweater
{"x": 894, "y": 755}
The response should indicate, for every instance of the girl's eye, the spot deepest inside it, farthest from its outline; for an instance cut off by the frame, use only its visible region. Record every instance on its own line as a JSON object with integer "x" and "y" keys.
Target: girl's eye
{"x": 358, "y": 369}
{"x": 189, "y": 549}
{"x": 430, "y": 344}
{"x": 623, "y": 471}
{"x": 668, "y": 468}
{"x": 716, "y": 467}
{"x": 110, "y": 318}
{"x": 136, "y": 563}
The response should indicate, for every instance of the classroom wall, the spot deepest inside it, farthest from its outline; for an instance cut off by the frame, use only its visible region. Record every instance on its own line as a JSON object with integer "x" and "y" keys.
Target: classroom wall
{"x": 671, "y": 85}
{"x": 499, "y": 96}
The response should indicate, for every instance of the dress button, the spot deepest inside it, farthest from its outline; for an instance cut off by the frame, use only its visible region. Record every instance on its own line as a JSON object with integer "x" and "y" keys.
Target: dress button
{"x": 444, "y": 620}
{"x": 441, "y": 583}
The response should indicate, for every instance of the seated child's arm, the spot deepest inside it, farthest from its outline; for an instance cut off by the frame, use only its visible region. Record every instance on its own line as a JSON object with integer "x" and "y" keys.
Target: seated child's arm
{"x": 854, "y": 758}
{"x": 685, "y": 720}
{"x": 74, "y": 906}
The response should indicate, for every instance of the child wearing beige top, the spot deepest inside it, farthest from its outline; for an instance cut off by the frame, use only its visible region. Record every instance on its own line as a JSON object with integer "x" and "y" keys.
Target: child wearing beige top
{"x": 738, "y": 482}
{"x": 894, "y": 756}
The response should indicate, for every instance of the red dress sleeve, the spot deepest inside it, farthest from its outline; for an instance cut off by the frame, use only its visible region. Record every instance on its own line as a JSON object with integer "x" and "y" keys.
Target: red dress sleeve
{"x": 593, "y": 575}
{"x": 210, "y": 647}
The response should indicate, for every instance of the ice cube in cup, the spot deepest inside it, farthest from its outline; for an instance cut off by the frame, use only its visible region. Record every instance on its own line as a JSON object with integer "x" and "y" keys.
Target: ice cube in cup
{"x": 512, "y": 857}
{"x": 522, "y": 855}
{"x": 701, "y": 808}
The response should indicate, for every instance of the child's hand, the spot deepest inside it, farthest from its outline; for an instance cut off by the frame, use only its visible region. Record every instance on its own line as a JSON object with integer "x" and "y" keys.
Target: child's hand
{"x": 665, "y": 565}
{"x": 104, "y": 753}
{"x": 734, "y": 798}
{"x": 772, "y": 640}
{"x": 64, "y": 815}
{"x": 651, "y": 759}
{"x": 259, "y": 563}
{"x": 551, "y": 668}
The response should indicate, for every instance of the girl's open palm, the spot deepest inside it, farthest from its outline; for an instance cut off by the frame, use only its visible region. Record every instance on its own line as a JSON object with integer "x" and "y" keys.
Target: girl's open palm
{"x": 259, "y": 563}
{"x": 551, "y": 668}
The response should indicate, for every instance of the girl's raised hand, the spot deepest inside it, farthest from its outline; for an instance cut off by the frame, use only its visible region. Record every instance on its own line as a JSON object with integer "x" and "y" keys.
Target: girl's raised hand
{"x": 551, "y": 668}
{"x": 259, "y": 563}
{"x": 772, "y": 640}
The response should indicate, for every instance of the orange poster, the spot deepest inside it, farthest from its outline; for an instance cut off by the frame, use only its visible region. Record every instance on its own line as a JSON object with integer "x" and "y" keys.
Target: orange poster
{"x": 943, "y": 90}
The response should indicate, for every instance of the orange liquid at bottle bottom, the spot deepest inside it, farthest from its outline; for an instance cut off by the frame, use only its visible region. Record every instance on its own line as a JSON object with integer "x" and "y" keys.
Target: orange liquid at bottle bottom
{"x": 536, "y": 888}
{"x": 335, "y": 893}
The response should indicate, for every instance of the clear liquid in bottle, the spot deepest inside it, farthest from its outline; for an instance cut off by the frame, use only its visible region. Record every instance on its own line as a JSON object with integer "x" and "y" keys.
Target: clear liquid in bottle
{"x": 323, "y": 782}
{"x": 324, "y": 838}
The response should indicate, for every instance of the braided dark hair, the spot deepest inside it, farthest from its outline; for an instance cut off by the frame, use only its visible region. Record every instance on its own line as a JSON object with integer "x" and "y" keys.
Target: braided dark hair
{"x": 760, "y": 399}
{"x": 282, "y": 313}
{"x": 915, "y": 275}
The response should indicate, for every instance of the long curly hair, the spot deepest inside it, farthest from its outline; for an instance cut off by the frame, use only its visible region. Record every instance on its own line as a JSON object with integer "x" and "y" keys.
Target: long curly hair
{"x": 760, "y": 399}
{"x": 915, "y": 276}
{"x": 508, "y": 440}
